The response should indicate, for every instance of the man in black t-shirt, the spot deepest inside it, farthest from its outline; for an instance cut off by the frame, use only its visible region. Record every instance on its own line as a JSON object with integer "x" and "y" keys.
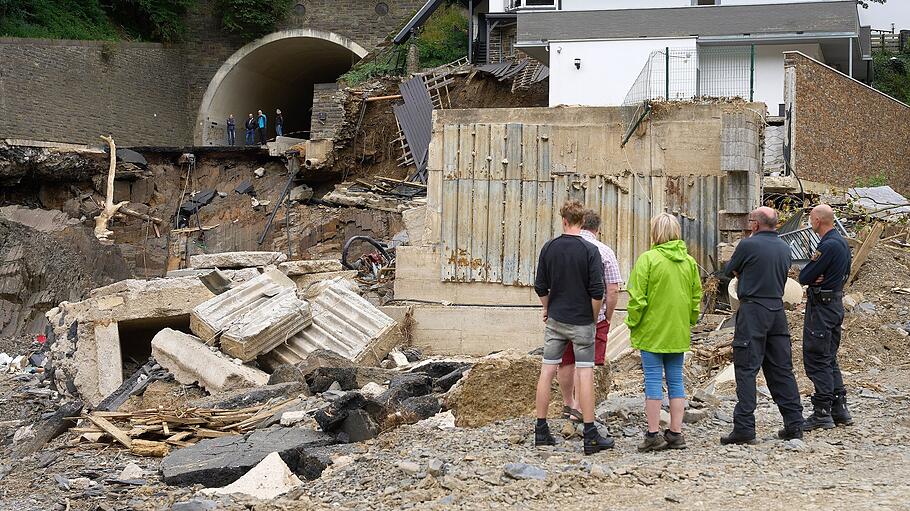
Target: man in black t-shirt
{"x": 570, "y": 285}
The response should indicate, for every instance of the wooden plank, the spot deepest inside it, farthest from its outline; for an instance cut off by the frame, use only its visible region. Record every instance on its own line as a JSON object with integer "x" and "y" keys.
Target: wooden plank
{"x": 543, "y": 154}
{"x": 449, "y": 220}
{"x": 495, "y": 230}
{"x": 560, "y": 195}
{"x": 527, "y": 244}
{"x": 450, "y": 152}
{"x": 465, "y": 151}
{"x": 149, "y": 448}
{"x": 514, "y": 141}
{"x": 863, "y": 253}
{"x": 529, "y": 145}
{"x": 482, "y": 157}
{"x": 497, "y": 151}
{"x": 210, "y": 433}
{"x": 112, "y": 430}
{"x": 463, "y": 235}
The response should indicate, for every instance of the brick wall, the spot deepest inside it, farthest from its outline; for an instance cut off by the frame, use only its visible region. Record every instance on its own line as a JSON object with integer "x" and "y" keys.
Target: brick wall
{"x": 328, "y": 111}
{"x": 73, "y": 91}
{"x": 844, "y": 133}
{"x": 150, "y": 94}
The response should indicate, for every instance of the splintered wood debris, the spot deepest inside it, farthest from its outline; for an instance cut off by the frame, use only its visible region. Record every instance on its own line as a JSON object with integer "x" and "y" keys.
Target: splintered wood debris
{"x": 154, "y": 431}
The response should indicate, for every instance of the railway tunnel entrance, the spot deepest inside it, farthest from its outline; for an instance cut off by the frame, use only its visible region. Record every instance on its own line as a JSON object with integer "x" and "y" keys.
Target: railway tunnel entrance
{"x": 277, "y": 71}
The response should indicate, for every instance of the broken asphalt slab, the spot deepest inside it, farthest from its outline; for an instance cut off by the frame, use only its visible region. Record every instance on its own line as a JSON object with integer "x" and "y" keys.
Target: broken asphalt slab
{"x": 221, "y": 461}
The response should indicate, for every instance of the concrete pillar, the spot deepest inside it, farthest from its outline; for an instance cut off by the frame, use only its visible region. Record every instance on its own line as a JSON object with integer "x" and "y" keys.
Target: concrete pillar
{"x": 109, "y": 362}
{"x": 413, "y": 58}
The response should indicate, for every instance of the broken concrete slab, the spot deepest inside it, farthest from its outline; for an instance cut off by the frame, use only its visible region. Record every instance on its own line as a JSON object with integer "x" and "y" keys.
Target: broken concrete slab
{"x": 270, "y": 478}
{"x": 308, "y": 266}
{"x": 191, "y": 361}
{"x": 304, "y": 282}
{"x": 300, "y": 193}
{"x": 48, "y": 429}
{"x": 209, "y": 319}
{"x": 236, "y": 276}
{"x": 343, "y": 322}
{"x": 221, "y": 461}
{"x": 237, "y": 260}
{"x": 266, "y": 326}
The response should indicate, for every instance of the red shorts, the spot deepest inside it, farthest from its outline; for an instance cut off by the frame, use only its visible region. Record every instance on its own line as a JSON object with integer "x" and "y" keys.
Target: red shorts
{"x": 600, "y": 346}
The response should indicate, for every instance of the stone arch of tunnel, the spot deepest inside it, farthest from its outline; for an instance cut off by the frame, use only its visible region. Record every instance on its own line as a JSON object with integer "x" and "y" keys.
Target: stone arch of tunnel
{"x": 277, "y": 71}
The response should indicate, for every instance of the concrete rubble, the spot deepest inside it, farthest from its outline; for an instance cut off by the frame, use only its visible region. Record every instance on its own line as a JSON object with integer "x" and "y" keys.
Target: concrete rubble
{"x": 267, "y": 480}
{"x": 234, "y": 260}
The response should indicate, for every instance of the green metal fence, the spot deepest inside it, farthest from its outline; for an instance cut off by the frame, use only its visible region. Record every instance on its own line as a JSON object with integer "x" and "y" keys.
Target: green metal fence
{"x": 685, "y": 74}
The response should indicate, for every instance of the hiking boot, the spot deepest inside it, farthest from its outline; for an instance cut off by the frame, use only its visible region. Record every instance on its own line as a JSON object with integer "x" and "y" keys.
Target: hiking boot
{"x": 839, "y": 412}
{"x": 542, "y": 436}
{"x": 594, "y": 443}
{"x": 790, "y": 433}
{"x": 674, "y": 440}
{"x": 738, "y": 439}
{"x": 820, "y": 418}
{"x": 655, "y": 442}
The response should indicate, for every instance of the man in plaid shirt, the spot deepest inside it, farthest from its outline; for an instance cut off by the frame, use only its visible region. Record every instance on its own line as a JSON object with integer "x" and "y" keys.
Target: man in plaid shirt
{"x": 612, "y": 280}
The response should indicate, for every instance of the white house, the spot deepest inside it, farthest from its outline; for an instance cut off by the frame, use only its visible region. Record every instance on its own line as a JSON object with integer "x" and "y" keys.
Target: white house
{"x": 600, "y": 50}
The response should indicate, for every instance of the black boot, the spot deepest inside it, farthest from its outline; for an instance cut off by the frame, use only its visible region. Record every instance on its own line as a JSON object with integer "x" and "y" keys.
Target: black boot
{"x": 738, "y": 438}
{"x": 594, "y": 443}
{"x": 790, "y": 433}
{"x": 542, "y": 435}
{"x": 821, "y": 416}
{"x": 839, "y": 412}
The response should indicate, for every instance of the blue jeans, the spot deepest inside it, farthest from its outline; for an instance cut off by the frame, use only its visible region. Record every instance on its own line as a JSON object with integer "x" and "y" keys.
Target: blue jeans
{"x": 249, "y": 137}
{"x": 279, "y": 130}
{"x": 230, "y": 136}
{"x": 655, "y": 365}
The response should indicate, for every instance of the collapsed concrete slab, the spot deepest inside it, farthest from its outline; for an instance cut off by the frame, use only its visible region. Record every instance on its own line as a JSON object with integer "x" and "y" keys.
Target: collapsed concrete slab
{"x": 208, "y": 320}
{"x": 266, "y": 326}
{"x": 191, "y": 361}
{"x": 237, "y": 259}
{"x": 306, "y": 267}
{"x": 86, "y": 337}
{"x": 267, "y": 480}
{"x": 221, "y": 461}
{"x": 343, "y": 322}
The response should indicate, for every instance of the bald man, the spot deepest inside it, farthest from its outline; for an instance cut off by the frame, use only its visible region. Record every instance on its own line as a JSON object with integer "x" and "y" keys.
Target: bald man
{"x": 762, "y": 338}
{"x": 825, "y": 275}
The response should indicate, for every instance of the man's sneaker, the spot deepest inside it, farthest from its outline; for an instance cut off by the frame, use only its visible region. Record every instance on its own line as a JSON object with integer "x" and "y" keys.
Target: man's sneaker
{"x": 840, "y": 414}
{"x": 790, "y": 433}
{"x": 820, "y": 419}
{"x": 542, "y": 436}
{"x": 654, "y": 442}
{"x": 594, "y": 443}
{"x": 738, "y": 439}
{"x": 674, "y": 440}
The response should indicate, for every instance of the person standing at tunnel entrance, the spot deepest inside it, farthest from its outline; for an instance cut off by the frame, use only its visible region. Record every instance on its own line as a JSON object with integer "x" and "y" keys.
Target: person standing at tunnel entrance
{"x": 250, "y": 126}
{"x": 262, "y": 122}
{"x": 231, "y": 130}
{"x": 279, "y": 123}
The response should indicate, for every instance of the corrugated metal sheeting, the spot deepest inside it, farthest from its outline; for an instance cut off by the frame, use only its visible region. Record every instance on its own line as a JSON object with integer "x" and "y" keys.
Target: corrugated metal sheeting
{"x": 501, "y": 195}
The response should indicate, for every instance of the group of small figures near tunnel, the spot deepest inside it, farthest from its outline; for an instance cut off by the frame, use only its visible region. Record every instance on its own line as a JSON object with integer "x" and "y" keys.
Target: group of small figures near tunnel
{"x": 253, "y": 126}
{"x": 577, "y": 281}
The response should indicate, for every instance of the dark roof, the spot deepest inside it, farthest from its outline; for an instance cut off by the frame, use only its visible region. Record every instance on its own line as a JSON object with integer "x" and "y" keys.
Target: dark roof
{"x": 807, "y": 17}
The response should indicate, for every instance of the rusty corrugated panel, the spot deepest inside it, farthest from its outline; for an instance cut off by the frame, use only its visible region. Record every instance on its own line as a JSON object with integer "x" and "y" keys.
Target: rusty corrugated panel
{"x": 695, "y": 200}
{"x": 343, "y": 322}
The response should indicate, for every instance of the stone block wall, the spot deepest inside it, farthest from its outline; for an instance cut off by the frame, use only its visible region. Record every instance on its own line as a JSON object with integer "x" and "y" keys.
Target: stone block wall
{"x": 328, "y": 111}
{"x": 844, "y": 132}
{"x": 74, "y": 91}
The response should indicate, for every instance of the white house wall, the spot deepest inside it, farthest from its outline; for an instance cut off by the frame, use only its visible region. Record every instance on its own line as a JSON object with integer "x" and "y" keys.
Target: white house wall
{"x": 608, "y": 68}
{"x": 769, "y": 71}
{"x": 604, "y": 5}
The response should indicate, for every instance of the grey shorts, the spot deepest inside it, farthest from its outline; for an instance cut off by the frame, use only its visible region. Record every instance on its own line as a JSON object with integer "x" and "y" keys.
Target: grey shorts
{"x": 557, "y": 335}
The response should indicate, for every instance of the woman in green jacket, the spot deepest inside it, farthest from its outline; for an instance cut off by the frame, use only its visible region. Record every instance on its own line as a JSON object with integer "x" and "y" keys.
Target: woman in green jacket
{"x": 664, "y": 297}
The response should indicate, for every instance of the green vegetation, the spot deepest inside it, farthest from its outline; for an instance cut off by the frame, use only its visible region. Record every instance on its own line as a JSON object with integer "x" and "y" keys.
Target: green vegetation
{"x": 444, "y": 38}
{"x": 144, "y": 20}
{"x": 253, "y": 18}
{"x": 880, "y": 179}
{"x": 892, "y": 75}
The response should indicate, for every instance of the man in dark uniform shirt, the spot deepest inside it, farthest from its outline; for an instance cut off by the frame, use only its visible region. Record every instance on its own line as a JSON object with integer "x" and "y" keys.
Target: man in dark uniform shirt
{"x": 762, "y": 338}
{"x": 825, "y": 275}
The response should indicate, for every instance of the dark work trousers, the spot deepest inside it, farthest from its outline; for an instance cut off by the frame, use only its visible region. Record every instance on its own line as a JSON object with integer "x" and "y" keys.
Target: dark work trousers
{"x": 762, "y": 341}
{"x": 261, "y": 136}
{"x": 821, "y": 340}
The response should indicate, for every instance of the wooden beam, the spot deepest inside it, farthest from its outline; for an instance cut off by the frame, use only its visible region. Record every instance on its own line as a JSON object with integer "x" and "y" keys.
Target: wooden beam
{"x": 863, "y": 253}
{"x": 112, "y": 430}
